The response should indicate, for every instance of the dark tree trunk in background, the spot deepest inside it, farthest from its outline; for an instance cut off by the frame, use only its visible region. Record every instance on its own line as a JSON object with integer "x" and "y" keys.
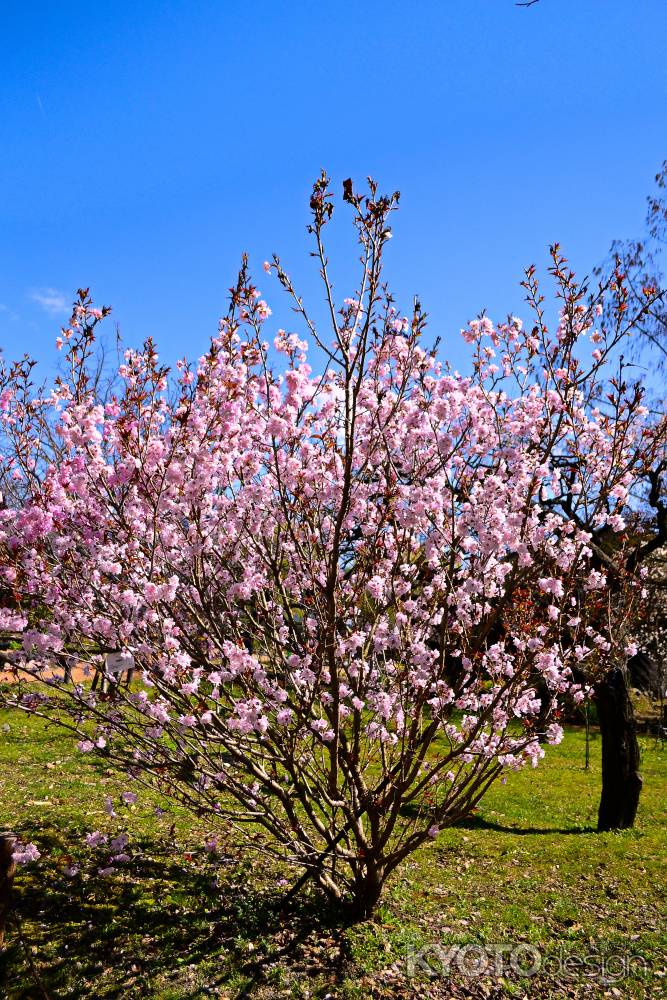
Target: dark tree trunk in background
{"x": 621, "y": 781}
{"x": 7, "y": 866}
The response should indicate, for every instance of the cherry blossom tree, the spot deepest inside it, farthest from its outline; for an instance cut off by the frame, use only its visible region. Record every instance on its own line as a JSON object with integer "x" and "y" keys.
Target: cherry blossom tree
{"x": 627, "y": 554}
{"x": 641, "y": 263}
{"x": 338, "y": 566}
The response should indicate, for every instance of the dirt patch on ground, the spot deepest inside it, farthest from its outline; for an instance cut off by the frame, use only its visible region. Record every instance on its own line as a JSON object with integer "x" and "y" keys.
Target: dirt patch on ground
{"x": 80, "y": 674}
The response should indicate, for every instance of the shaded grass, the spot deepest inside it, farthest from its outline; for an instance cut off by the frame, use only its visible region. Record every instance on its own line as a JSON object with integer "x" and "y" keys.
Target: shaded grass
{"x": 174, "y": 922}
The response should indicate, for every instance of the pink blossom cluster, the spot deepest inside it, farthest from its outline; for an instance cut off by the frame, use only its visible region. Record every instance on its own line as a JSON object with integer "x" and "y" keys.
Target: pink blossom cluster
{"x": 23, "y": 854}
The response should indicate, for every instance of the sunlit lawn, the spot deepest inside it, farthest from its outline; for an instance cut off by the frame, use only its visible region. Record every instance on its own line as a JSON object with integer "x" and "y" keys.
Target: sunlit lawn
{"x": 175, "y": 921}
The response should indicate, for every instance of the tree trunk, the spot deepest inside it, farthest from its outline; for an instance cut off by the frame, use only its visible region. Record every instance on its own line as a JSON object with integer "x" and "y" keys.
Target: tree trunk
{"x": 367, "y": 891}
{"x": 7, "y": 866}
{"x": 621, "y": 781}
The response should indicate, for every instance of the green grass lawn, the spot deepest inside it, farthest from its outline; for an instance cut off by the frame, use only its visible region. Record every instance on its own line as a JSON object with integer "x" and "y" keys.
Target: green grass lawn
{"x": 527, "y": 870}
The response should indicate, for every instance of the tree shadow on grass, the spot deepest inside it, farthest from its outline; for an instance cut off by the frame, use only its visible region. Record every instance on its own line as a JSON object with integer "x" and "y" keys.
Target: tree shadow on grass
{"x": 479, "y": 823}
{"x": 160, "y": 923}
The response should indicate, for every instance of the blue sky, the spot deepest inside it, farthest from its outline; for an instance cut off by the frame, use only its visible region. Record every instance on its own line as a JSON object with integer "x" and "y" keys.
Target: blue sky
{"x": 146, "y": 145}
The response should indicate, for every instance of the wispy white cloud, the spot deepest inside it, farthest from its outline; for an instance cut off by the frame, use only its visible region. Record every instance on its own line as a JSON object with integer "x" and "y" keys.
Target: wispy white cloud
{"x": 52, "y": 301}
{"x": 8, "y": 313}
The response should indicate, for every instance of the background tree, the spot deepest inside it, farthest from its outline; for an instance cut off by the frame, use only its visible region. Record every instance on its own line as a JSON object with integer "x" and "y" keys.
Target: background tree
{"x": 639, "y": 266}
{"x": 621, "y": 551}
{"x": 643, "y": 263}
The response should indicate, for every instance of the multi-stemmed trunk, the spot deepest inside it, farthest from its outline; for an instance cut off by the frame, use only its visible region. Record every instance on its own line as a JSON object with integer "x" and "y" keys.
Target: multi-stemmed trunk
{"x": 366, "y": 892}
{"x": 362, "y": 894}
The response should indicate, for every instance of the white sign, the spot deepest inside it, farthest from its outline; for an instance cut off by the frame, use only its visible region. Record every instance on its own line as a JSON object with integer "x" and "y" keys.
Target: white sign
{"x": 117, "y": 663}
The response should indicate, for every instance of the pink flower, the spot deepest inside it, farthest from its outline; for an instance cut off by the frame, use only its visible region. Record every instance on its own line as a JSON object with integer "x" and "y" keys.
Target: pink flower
{"x": 376, "y": 588}
{"x": 12, "y": 621}
{"x": 95, "y": 838}
{"x": 554, "y": 733}
{"x": 23, "y": 854}
{"x": 550, "y": 585}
